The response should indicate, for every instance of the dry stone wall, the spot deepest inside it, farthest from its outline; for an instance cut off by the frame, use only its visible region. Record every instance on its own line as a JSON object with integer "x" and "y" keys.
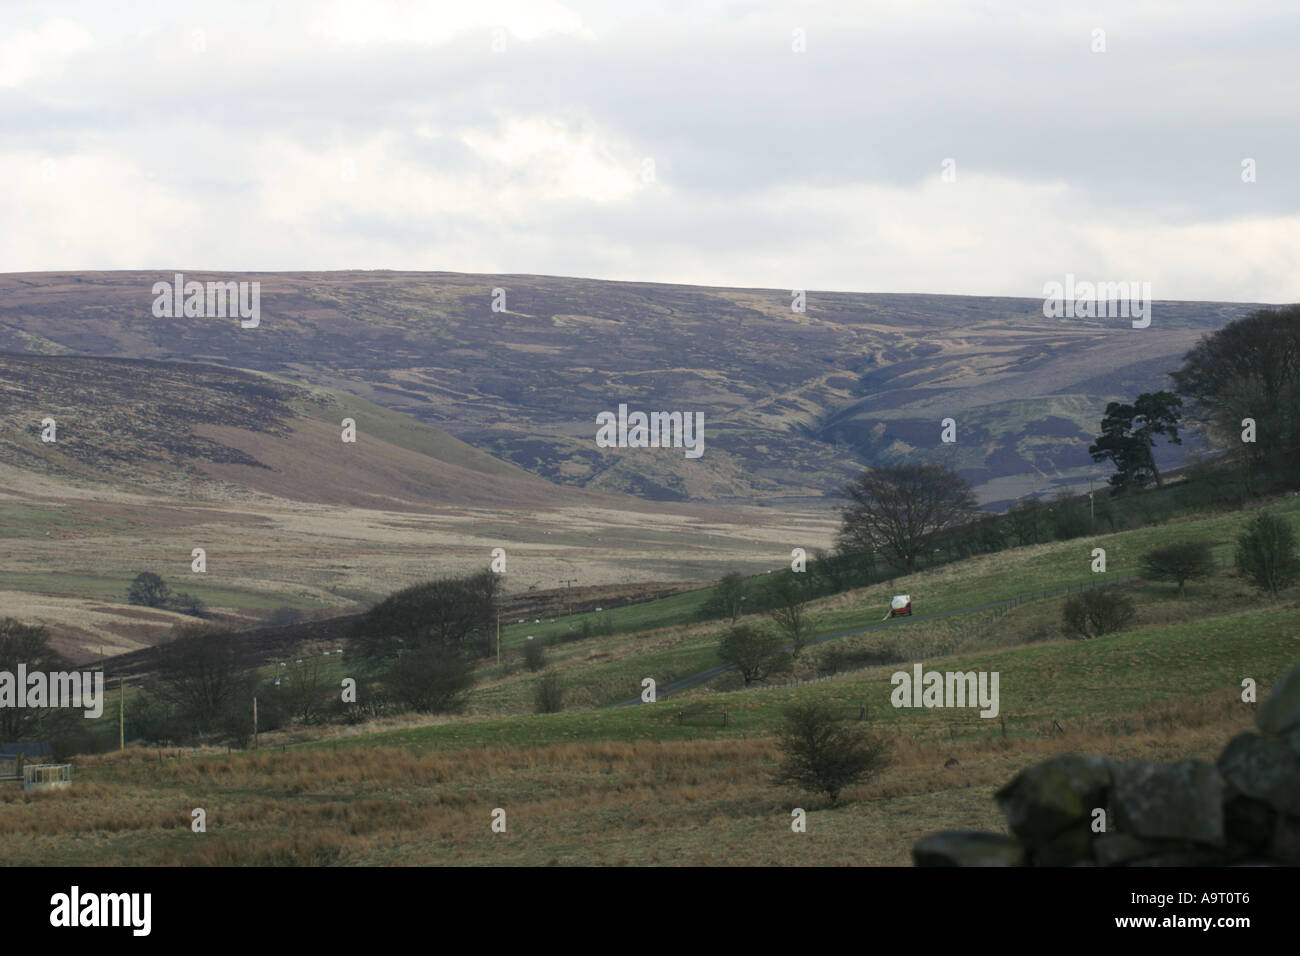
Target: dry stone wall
{"x": 1076, "y": 810}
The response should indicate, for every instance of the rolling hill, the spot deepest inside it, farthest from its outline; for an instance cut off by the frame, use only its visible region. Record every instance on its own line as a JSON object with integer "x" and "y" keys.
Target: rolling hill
{"x": 793, "y": 403}
{"x": 152, "y": 459}
{"x": 223, "y": 432}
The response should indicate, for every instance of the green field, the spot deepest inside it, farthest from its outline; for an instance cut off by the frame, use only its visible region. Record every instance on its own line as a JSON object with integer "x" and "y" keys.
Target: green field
{"x": 671, "y": 782}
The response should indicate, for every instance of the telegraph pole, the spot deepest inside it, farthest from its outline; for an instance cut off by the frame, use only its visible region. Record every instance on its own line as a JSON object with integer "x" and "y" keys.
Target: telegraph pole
{"x": 569, "y": 585}
{"x": 498, "y": 638}
{"x": 121, "y": 716}
{"x": 1092, "y": 513}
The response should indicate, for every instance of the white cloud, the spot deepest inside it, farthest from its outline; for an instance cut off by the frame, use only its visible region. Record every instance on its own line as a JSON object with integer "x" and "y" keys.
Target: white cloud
{"x": 548, "y": 160}
{"x": 28, "y": 54}
{"x": 95, "y": 210}
{"x": 387, "y": 135}
{"x": 433, "y": 22}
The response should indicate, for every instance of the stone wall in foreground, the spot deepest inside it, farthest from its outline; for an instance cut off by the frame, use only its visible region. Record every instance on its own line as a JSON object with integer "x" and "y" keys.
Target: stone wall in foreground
{"x": 1244, "y": 809}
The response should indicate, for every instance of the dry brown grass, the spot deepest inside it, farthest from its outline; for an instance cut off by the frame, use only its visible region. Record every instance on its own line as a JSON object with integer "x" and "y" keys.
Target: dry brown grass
{"x": 276, "y": 551}
{"x": 694, "y": 802}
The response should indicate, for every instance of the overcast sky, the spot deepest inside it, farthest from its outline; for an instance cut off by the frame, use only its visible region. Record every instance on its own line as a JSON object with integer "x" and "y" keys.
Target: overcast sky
{"x": 674, "y": 142}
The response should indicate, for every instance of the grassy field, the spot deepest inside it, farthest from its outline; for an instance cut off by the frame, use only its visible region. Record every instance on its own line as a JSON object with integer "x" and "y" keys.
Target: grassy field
{"x": 265, "y": 554}
{"x": 633, "y": 786}
{"x": 602, "y": 670}
{"x": 671, "y": 782}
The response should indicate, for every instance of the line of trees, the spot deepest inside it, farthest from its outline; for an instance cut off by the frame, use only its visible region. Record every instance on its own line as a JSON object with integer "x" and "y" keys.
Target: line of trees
{"x": 1247, "y": 372}
{"x": 415, "y": 650}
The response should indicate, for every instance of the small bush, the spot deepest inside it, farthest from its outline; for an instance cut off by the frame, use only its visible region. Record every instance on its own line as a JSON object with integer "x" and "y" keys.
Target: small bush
{"x": 1097, "y": 612}
{"x": 823, "y": 754}
{"x": 148, "y": 719}
{"x": 432, "y": 679}
{"x": 1178, "y": 563}
{"x": 534, "y": 655}
{"x": 1155, "y": 508}
{"x": 148, "y": 590}
{"x": 371, "y": 704}
{"x": 185, "y": 603}
{"x": 69, "y": 734}
{"x": 1266, "y": 553}
{"x": 596, "y": 625}
{"x": 549, "y": 696}
{"x": 237, "y": 726}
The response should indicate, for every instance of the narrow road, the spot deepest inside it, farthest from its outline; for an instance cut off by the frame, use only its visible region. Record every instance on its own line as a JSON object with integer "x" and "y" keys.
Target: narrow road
{"x": 708, "y": 675}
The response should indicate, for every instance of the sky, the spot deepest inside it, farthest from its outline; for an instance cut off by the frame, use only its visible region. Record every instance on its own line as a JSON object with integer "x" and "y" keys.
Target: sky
{"x": 981, "y": 148}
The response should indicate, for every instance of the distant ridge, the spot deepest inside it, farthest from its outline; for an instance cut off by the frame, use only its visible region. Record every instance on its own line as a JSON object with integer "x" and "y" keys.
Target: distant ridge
{"x": 793, "y": 403}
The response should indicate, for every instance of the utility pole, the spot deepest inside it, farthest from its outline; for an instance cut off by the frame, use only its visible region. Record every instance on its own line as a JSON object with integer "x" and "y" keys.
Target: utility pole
{"x": 1092, "y": 513}
{"x": 498, "y": 638}
{"x": 121, "y": 716}
{"x": 254, "y": 723}
{"x": 569, "y": 585}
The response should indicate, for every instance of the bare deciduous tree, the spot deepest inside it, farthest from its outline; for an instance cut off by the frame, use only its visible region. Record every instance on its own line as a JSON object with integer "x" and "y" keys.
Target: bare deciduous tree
{"x": 730, "y": 594}
{"x": 204, "y": 675}
{"x": 756, "y": 652}
{"x": 303, "y": 686}
{"x": 790, "y": 612}
{"x": 897, "y": 508}
{"x": 27, "y": 644}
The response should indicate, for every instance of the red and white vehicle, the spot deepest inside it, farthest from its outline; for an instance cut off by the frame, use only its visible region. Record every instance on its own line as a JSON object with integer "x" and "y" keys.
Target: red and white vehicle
{"x": 900, "y": 605}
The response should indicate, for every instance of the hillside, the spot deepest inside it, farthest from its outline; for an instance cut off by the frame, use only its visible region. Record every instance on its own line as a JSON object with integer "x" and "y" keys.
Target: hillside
{"x": 675, "y": 783}
{"x": 219, "y": 432}
{"x": 793, "y": 403}
{"x": 154, "y": 459}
